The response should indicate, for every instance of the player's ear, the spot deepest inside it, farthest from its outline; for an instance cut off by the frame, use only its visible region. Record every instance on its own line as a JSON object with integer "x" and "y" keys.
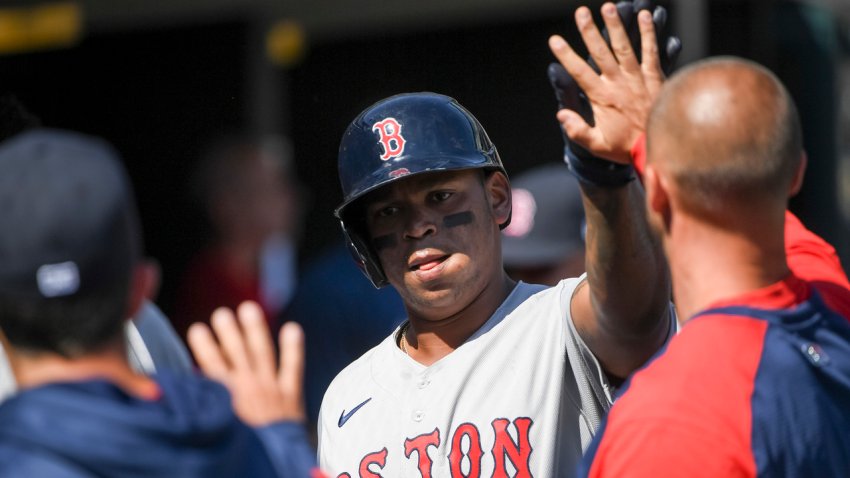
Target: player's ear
{"x": 498, "y": 191}
{"x": 144, "y": 283}
{"x": 797, "y": 180}
{"x": 657, "y": 199}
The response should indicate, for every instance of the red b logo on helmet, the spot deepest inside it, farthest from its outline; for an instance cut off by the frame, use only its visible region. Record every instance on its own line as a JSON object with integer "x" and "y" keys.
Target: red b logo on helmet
{"x": 391, "y": 139}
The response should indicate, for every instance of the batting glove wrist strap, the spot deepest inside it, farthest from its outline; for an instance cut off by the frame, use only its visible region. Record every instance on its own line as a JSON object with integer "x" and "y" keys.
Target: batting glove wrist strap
{"x": 601, "y": 173}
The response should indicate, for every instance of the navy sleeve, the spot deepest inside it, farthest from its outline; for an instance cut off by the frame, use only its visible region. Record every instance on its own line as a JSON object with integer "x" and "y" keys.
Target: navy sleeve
{"x": 287, "y": 446}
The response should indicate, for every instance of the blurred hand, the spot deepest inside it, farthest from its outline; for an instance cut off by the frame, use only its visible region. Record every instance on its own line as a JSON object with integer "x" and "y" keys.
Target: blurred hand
{"x": 240, "y": 355}
{"x": 621, "y": 94}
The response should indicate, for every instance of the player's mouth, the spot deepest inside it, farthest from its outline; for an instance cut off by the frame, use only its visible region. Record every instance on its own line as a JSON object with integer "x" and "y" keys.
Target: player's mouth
{"x": 426, "y": 260}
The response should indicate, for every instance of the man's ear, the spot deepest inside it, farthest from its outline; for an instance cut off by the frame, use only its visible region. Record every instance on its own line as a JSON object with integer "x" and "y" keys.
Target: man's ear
{"x": 657, "y": 198}
{"x": 499, "y": 192}
{"x": 144, "y": 284}
{"x": 797, "y": 181}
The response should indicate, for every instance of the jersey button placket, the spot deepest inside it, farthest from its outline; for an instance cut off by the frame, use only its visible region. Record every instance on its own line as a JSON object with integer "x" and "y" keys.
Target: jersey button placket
{"x": 421, "y": 383}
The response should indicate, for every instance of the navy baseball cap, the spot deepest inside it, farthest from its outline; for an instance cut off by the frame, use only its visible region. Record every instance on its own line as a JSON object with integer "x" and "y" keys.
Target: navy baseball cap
{"x": 69, "y": 222}
{"x": 548, "y": 218}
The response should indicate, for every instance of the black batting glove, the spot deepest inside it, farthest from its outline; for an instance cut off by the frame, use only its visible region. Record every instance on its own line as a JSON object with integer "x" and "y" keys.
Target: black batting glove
{"x": 588, "y": 168}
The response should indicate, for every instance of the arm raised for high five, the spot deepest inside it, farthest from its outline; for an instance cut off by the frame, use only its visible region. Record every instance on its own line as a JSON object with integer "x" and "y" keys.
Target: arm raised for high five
{"x": 239, "y": 353}
{"x": 242, "y": 359}
{"x": 622, "y": 312}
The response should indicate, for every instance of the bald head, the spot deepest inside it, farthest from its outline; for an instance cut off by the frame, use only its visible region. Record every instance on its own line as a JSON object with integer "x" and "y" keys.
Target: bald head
{"x": 727, "y": 133}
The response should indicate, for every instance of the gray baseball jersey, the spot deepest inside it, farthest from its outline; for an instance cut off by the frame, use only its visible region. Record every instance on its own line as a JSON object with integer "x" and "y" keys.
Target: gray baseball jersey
{"x": 521, "y": 397}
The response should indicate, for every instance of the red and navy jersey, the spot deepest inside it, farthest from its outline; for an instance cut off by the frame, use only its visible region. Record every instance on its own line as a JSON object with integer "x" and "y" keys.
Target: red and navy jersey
{"x": 758, "y": 385}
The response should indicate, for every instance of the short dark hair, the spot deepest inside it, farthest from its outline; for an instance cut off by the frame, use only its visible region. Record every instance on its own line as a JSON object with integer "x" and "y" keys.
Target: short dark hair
{"x": 68, "y": 326}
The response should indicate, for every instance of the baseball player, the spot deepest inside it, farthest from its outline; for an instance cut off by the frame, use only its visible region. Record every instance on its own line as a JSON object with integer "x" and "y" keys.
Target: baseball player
{"x": 487, "y": 377}
{"x": 758, "y": 381}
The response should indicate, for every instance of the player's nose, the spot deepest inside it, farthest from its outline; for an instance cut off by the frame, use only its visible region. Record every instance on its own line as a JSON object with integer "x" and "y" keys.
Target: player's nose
{"x": 419, "y": 223}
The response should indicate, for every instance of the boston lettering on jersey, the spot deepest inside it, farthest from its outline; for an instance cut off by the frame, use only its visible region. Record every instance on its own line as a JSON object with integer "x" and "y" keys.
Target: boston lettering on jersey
{"x": 505, "y": 450}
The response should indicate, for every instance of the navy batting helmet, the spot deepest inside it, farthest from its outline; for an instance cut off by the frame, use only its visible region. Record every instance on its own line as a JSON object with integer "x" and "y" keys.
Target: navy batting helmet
{"x": 400, "y": 136}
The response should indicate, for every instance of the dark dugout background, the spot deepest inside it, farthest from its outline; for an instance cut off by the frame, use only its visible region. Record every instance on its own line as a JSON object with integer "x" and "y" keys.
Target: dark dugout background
{"x": 160, "y": 95}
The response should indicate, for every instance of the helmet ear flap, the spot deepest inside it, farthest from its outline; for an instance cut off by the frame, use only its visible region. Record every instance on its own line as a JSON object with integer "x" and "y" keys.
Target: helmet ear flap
{"x": 365, "y": 257}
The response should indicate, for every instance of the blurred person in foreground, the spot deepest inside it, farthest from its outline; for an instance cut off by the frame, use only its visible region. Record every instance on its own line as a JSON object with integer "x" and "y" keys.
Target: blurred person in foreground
{"x": 545, "y": 239}
{"x": 152, "y": 343}
{"x": 249, "y": 192}
{"x": 757, "y": 383}
{"x": 70, "y": 274}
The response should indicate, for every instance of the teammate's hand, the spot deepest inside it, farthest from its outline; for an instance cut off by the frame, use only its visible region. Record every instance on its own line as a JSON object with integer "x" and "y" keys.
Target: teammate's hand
{"x": 623, "y": 91}
{"x": 243, "y": 360}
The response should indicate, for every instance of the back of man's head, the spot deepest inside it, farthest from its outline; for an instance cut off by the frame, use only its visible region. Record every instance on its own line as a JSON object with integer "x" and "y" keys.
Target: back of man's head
{"x": 727, "y": 133}
{"x": 69, "y": 245}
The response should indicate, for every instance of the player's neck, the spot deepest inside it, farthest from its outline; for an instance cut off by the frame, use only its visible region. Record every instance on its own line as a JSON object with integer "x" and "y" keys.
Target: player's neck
{"x": 428, "y": 341}
{"x": 709, "y": 264}
{"x": 33, "y": 370}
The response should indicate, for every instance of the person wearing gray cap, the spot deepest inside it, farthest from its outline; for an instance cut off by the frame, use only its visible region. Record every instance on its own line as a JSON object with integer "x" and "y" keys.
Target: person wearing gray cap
{"x": 151, "y": 342}
{"x": 71, "y": 272}
{"x": 545, "y": 240}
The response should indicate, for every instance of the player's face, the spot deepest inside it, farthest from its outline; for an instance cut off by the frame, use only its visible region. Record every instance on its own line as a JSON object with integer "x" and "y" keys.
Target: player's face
{"x": 437, "y": 237}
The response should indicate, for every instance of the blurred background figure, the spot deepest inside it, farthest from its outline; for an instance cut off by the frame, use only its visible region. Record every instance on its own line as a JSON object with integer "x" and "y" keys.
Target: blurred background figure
{"x": 343, "y": 316}
{"x": 545, "y": 240}
{"x": 248, "y": 189}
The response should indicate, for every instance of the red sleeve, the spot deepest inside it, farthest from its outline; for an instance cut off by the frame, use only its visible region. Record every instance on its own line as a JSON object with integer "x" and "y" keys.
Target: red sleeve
{"x": 639, "y": 155}
{"x": 813, "y": 259}
{"x": 654, "y": 448}
{"x": 810, "y": 257}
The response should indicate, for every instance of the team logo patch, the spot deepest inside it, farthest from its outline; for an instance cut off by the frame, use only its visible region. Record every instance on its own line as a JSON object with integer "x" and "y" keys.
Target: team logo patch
{"x": 391, "y": 139}
{"x": 397, "y": 173}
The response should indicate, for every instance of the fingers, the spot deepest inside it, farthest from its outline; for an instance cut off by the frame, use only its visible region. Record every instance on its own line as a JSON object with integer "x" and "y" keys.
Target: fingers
{"x": 582, "y": 73}
{"x": 672, "y": 50}
{"x": 639, "y": 5}
{"x": 257, "y": 338}
{"x": 651, "y": 64}
{"x": 291, "y": 375}
{"x": 577, "y": 129}
{"x": 230, "y": 337}
{"x": 596, "y": 46}
{"x": 620, "y": 43}
{"x": 207, "y": 352}
{"x": 566, "y": 90}
{"x": 659, "y": 19}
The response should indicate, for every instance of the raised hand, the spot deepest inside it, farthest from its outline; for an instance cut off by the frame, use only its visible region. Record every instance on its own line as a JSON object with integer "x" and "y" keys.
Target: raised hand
{"x": 623, "y": 91}
{"x": 240, "y": 355}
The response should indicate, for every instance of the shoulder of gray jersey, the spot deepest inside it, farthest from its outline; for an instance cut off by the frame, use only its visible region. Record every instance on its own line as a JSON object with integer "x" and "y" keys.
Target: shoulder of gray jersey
{"x": 154, "y": 345}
